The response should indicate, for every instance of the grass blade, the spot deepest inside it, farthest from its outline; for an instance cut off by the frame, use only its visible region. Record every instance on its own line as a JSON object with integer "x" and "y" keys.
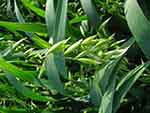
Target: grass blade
{"x": 126, "y": 83}
{"x": 28, "y": 27}
{"x": 107, "y": 99}
{"x": 39, "y": 42}
{"x": 56, "y": 25}
{"x": 56, "y": 19}
{"x": 18, "y": 14}
{"x": 105, "y": 75}
{"x": 17, "y": 72}
{"x": 50, "y": 17}
{"x": 35, "y": 9}
{"x": 90, "y": 11}
{"x": 61, "y": 19}
{"x": 53, "y": 73}
{"x": 25, "y": 91}
{"x": 139, "y": 25}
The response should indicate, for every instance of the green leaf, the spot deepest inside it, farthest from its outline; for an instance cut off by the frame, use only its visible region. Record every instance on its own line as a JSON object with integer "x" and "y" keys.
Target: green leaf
{"x": 61, "y": 19}
{"x": 107, "y": 99}
{"x": 144, "y": 4}
{"x": 17, "y": 72}
{"x": 50, "y": 17}
{"x": 60, "y": 64}
{"x": 73, "y": 47}
{"x": 139, "y": 25}
{"x": 57, "y": 47}
{"x": 77, "y": 20}
{"x": 95, "y": 93}
{"x": 12, "y": 110}
{"x": 126, "y": 83}
{"x": 88, "y": 61}
{"x": 35, "y": 9}
{"x": 105, "y": 75}
{"x": 53, "y": 74}
{"x": 9, "y": 50}
{"x": 28, "y": 27}
{"x": 25, "y": 91}
{"x": 90, "y": 11}
{"x": 88, "y": 40}
{"x": 38, "y": 41}
{"x": 56, "y": 19}
{"x": 18, "y": 14}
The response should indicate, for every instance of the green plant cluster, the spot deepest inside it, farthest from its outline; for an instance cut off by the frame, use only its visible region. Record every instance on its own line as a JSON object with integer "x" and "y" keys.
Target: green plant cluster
{"x": 74, "y": 56}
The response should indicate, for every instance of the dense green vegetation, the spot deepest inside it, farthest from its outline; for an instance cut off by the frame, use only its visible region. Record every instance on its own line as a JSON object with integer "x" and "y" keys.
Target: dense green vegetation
{"x": 74, "y": 56}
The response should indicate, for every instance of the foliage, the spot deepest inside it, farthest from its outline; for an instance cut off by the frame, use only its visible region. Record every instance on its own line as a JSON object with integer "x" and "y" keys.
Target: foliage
{"x": 70, "y": 56}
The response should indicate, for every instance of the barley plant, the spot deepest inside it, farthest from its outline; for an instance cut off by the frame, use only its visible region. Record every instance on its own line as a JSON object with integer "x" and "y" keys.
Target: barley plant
{"x": 74, "y": 56}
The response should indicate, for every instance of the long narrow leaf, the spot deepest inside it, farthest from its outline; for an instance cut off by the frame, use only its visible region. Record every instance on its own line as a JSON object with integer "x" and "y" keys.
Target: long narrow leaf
{"x": 56, "y": 15}
{"x": 50, "y": 17}
{"x": 61, "y": 19}
{"x": 40, "y": 42}
{"x": 53, "y": 74}
{"x": 28, "y": 27}
{"x": 107, "y": 99}
{"x": 25, "y": 91}
{"x": 23, "y": 75}
{"x": 105, "y": 75}
{"x": 126, "y": 83}
{"x": 35, "y": 9}
{"x": 90, "y": 11}
{"x": 139, "y": 25}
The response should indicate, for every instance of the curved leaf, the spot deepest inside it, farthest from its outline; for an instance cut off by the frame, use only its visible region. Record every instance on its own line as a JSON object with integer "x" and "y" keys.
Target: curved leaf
{"x": 126, "y": 83}
{"x": 40, "y": 42}
{"x": 17, "y": 72}
{"x": 25, "y": 91}
{"x": 90, "y": 11}
{"x": 35, "y": 9}
{"x": 139, "y": 25}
